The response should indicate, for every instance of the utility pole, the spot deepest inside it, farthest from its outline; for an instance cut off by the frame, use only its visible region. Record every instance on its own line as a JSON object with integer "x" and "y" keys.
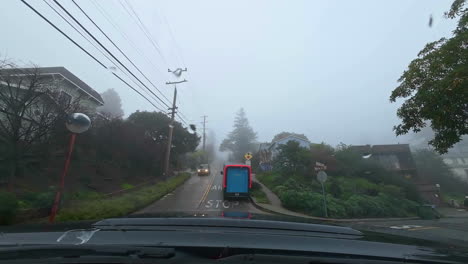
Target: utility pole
{"x": 173, "y": 110}
{"x": 204, "y": 134}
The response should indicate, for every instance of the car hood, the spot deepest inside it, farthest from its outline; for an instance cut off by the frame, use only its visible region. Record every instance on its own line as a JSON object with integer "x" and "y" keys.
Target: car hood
{"x": 233, "y": 229}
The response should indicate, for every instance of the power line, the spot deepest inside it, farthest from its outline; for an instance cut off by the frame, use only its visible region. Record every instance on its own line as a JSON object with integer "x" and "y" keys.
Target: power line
{"x": 110, "y": 53}
{"x": 113, "y": 43}
{"x": 122, "y": 33}
{"x": 90, "y": 42}
{"x": 54, "y": 26}
{"x": 142, "y": 28}
{"x": 84, "y": 50}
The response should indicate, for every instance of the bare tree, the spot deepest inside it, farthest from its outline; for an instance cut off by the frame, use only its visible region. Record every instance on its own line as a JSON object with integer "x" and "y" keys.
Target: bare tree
{"x": 30, "y": 109}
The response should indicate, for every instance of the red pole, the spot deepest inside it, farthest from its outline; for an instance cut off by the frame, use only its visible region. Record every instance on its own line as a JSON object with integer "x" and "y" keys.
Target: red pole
{"x": 60, "y": 190}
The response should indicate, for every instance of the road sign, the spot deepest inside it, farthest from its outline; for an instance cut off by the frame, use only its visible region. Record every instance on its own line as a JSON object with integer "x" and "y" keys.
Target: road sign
{"x": 248, "y": 156}
{"x": 322, "y": 176}
{"x": 320, "y": 166}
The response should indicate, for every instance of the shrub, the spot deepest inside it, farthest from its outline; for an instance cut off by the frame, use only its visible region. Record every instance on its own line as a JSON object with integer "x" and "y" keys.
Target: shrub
{"x": 8, "y": 208}
{"x": 86, "y": 195}
{"x": 127, "y": 186}
{"x": 122, "y": 205}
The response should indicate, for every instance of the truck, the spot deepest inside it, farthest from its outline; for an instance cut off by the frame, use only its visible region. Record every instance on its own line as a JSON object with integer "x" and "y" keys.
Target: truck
{"x": 237, "y": 181}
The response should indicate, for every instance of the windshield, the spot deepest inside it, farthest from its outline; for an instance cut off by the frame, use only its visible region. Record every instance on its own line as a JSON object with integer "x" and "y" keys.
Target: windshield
{"x": 349, "y": 113}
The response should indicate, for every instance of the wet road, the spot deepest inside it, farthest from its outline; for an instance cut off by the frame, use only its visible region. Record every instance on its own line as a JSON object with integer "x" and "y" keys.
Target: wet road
{"x": 200, "y": 194}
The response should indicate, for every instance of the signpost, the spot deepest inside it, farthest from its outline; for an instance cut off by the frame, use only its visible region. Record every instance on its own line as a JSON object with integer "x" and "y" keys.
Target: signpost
{"x": 322, "y": 177}
{"x": 247, "y": 157}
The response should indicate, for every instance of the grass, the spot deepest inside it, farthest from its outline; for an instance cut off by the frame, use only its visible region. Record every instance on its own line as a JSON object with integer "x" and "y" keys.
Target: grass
{"x": 122, "y": 205}
{"x": 258, "y": 194}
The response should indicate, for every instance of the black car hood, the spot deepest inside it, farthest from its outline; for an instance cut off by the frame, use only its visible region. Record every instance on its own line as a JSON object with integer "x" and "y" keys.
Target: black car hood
{"x": 234, "y": 230}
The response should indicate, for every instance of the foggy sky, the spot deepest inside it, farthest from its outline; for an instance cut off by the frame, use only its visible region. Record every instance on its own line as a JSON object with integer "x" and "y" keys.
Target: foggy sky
{"x": 321, "y": 68}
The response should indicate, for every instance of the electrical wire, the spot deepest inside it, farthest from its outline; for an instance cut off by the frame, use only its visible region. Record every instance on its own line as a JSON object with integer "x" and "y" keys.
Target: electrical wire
{"x": 110, "y": 53}
{"x": 142, "y": 28}
{"x": 113, "y": 43}
{"x": 84, "y": 50}
{"x": 123, "y": 34}
{"x": 94, "y": 45}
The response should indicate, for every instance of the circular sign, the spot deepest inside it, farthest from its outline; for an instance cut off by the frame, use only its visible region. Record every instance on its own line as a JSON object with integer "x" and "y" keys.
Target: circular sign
{"x": 248, "y": 156}
{"x": 78, "y": 123}
{"x": 322, "y": 176}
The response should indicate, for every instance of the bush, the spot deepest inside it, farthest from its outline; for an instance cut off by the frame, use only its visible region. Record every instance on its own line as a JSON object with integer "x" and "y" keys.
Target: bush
{"x": 39, "y": 200}
{"x": 127, "y": 186}
{"x": 122, "y": 205}
{"x": 86, "y": 195}
{"x": 8, "y": 208}
{"x": 258, "y": 193}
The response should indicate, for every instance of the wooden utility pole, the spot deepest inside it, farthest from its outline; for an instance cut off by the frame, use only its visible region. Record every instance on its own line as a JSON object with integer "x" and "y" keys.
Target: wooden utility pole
{"x": 204, "y": 134}
{"x": 173, "y": 110}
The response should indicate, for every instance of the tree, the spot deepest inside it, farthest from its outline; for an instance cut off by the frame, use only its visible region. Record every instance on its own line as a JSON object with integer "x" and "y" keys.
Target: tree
{"x": 323, "y": 153}
{"x": 435, "y": 87}
{"x": 154, "y": 125}
{"x": 32, "y": 112}
{"x": 292, "y": 158}
{"x": 112, "y": 104}
{"x": 241, "y": 139}
{"x": 431, "y": 167}
{"x": 286, "y": 134}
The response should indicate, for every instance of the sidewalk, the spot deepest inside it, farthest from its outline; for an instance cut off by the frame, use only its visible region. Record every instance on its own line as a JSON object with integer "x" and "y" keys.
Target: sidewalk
{"x": 276, "y": 207}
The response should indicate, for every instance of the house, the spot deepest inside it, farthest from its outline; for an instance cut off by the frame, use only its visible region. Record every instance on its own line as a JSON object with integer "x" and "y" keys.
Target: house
{"x": 267, "y": 151}
{"x": 394, "y": 157}
{"x": 398, "y": 158}
{"x": 62, "y": 81}
{"x": 303, "y": 142}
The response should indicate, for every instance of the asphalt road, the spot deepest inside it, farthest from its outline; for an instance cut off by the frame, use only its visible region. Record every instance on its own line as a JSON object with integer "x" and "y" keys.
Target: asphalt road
{"x": 200, "y": 194}
{"x": 452, "y": 230}
{"x": 203, "y": 195}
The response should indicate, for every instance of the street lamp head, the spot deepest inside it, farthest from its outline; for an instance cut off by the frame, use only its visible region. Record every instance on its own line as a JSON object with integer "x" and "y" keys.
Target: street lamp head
{"x": 78, "y": 123}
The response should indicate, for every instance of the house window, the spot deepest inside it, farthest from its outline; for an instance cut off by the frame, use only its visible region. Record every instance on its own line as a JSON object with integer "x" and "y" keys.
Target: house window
{"x": 65, "y": 98}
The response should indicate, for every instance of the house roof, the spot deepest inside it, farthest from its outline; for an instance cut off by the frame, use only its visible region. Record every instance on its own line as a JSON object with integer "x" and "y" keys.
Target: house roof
{"x": 394, "y": 148}
{"x": 292, "y": 136}
{"x": 382, "y": 149}
{"x": 402, "y": 151}
{"x": 73, "y": 79}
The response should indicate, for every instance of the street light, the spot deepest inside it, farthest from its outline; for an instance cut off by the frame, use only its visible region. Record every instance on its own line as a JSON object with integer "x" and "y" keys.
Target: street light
{"x": 76, "y": 123}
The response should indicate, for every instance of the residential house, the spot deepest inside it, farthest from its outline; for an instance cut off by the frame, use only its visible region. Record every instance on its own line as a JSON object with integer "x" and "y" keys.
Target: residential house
{"x": 68, "y": 85}
{"x": 398, "y": 158}
{"x": 267, "y": 151}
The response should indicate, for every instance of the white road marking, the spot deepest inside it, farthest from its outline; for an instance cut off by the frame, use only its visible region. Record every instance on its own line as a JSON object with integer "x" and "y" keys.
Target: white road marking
{"x": 221, "y": 203}
{"x": 405, "y": 226}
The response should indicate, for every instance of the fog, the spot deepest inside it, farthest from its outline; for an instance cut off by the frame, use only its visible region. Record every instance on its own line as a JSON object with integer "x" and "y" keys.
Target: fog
{"x": 320, "y": 68}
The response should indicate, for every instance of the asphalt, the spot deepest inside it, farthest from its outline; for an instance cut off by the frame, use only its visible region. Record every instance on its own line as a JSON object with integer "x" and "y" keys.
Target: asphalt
{"x": 200, "y": 194}
{"x": 204, "y": 195}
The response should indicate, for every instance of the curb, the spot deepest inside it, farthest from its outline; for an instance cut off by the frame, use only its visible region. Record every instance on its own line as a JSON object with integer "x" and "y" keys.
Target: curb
{"x": 348, "y": 220}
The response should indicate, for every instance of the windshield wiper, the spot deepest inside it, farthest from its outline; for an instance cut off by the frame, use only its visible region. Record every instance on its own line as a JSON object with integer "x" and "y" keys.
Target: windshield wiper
{"x": 77, "y": 251}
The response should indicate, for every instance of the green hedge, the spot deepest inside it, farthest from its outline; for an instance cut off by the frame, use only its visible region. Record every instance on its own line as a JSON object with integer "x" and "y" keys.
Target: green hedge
{"x": 258, "y": 193}
{"x": 347, "y": 197}
{"x": 122, "y": 205}
{"x": 8, "y": 208}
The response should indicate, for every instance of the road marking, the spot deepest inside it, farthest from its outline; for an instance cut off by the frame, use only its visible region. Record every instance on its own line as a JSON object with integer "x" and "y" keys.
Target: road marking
{"x": 405, "y": 226}
{"x": 221, "y": 203}
{"x": 423, "y": 228}
{"x": 413, "y": 227}
{"x": 216, "y": 187}
{"x": 205, "y": 194}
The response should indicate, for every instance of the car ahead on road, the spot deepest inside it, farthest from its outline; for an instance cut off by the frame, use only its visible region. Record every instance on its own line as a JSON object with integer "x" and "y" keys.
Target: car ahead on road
{"x": 204, "y": 169}
{"x": 213, "y": 239}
